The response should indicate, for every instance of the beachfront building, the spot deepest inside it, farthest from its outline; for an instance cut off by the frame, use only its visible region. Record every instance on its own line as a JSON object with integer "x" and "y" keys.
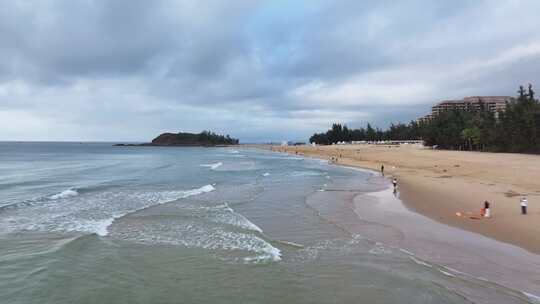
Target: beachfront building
{"x": 425, "y": 119}
{"x": 489, "y": 103}
{"x": 494, "y": 104}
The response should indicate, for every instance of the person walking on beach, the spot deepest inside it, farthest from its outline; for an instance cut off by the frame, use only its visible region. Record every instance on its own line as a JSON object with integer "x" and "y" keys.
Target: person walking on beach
{"x": 487, "y": 211}
{"x": 382, "y": 170}
{"x": 394, "y": 181}
{"x": 523, "y": 203}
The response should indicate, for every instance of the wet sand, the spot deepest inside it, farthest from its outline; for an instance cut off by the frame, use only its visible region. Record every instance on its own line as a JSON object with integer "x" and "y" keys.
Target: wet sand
{"x": 506, "y": 272}
{"x": 460, "y": 253}
{"x": 440, "y": 184}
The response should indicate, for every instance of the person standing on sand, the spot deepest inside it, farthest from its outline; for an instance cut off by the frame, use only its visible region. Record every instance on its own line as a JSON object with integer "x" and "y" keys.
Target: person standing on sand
{"x": 487, "y": 210}
{"x": 523, "y": 203}
{"x": 382, "y": 170}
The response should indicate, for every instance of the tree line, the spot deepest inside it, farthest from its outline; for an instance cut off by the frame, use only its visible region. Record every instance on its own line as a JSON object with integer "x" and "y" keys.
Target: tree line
{"x": 205, "y": 138}
{"x": 517, "y": 129}
{"x": 212, "y": 138}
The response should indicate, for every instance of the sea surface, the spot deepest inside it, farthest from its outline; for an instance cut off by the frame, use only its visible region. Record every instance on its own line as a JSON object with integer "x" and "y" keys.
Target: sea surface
{"x": 93, "y": 223}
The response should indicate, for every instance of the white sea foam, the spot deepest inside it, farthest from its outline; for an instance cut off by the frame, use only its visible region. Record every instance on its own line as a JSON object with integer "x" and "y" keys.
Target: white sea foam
{"x": 419, "y": 262}
{"x": 305, "y": 173}
{"x": 229, "y": 216}
{"x": 463, "y": 273}
{"x": 272, "y": 254}
{"x": 244, "y": 222}
{"x": 194, "y": 233}
{"x": 95, "y": 213}
{"x": 266, "y": 174}
{"x": 286, "y": 157}
{"x": 413, "y": 257}
{"x": 213, "y": 166}
{"x": 378, "y": 249}
{"x": 64, "y": 194}
{"x": 89, "y": 213}
{"x": 406, "y": 251}
{"x": 201, "y": 190}
{"x": 446, "y": 273}
{"x": 534, "y": 298}
{"x": 289, "y": 243}
{"x": 101, "y": 227}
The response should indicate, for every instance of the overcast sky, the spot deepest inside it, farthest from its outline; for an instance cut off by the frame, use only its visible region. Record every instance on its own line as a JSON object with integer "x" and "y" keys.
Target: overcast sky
{"x": 257, "y": 70}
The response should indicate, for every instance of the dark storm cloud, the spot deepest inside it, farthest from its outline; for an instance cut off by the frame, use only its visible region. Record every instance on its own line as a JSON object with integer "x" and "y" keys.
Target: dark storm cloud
{"x": 256, "y": 69}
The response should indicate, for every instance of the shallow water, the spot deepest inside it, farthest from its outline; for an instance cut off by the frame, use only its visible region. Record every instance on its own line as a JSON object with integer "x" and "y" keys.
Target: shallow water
{"x": 92, "y": 223}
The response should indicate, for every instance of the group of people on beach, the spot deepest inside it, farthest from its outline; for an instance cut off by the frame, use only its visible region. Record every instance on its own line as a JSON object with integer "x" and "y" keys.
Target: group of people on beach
{"x": 486, "y": 211}
{"x": 394, "y": 180}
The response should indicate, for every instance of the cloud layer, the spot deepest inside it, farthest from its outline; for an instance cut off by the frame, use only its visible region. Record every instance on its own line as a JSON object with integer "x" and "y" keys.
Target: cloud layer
{"x": 258, "y": 70}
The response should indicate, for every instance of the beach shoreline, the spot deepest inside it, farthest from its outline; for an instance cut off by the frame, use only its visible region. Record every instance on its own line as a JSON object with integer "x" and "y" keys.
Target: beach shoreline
{"x": 453, "y": 251}
{"x": 444, "y": 184}
{"x": 382, "y": 217}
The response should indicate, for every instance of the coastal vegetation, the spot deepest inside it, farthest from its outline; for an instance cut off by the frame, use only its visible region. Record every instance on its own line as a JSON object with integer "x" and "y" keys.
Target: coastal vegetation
{"x": 517, "y": 129}
{"x": 205, "y": 138}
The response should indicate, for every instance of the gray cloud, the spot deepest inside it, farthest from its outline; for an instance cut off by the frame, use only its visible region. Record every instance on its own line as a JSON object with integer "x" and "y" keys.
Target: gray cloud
{"x": 260, "y": 70}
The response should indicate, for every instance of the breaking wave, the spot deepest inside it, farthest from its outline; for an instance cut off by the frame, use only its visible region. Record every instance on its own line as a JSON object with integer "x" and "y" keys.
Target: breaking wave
{"x": 88, "y": 213}
{"x": 195, "y": 224}
{"x": 193, "y": 234}
{"x": 64, "y": 194}
{"x": 233, "y": 218}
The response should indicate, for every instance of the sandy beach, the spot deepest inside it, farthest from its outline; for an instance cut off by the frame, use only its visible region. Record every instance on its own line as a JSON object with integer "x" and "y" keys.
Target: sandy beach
{"x": 440, "y": 184}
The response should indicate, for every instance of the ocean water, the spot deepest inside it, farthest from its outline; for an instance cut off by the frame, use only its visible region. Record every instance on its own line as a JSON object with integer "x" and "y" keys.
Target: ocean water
{"x": 93, "y": 223}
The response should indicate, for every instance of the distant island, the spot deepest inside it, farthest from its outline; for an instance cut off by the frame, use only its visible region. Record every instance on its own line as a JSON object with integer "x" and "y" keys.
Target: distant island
{"x": 204, "y": 139}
